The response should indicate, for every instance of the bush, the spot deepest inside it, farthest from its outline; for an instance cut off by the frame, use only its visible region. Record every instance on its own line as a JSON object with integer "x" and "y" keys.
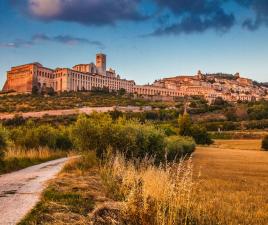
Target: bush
{"x": 185, "y": 123}
{"x": 63, "y": 140}
{"x": 137, "y": 140}
{"x": 150, "y": 141}
{"x": 265, "y": 143}
{"x": 91, "y": 133}
{"x": 200, "y": 135}
{"x": 129, "y": 137}
{"x": 3, "y": 141}
{"x": 17, "y": 120}
{"x": 177, "y": 147}
{"x": 31, "y": 136}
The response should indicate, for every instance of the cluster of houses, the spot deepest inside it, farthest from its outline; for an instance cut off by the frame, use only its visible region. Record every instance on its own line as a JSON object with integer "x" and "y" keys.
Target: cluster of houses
{"x": 232, "y": 88}
{"x": 26, "y": 78}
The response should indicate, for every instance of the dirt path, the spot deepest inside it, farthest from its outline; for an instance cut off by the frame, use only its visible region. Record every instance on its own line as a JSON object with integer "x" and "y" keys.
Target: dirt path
{"x": 20, "y": 191}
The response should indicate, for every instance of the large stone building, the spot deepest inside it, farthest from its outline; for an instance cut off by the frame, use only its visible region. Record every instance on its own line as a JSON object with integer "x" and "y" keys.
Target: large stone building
{"x": 90, "y": 76}
{"x": 81, "y": 77}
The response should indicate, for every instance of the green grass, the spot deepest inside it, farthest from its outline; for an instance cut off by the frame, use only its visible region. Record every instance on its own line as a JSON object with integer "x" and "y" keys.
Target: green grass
{"x": 75, "y": 202}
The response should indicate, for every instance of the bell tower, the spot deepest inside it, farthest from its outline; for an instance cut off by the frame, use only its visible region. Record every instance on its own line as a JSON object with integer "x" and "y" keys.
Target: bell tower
{"x": 101, "y": 63}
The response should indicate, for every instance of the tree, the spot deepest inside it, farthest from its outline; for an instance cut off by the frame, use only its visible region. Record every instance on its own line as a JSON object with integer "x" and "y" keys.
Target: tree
{"x": 200, "y": 135}
{"x": 185, "y": 123}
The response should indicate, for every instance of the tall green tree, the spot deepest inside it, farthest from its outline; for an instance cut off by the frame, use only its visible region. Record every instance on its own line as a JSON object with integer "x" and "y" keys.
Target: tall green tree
{"x": 185, "y": 124}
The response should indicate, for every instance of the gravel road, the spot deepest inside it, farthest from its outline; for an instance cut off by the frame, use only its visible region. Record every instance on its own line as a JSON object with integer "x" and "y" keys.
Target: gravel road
{"x": 21, "y": 190}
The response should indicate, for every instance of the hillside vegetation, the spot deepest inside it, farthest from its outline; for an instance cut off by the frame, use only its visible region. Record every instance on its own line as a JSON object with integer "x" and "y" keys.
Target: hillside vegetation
{"x": 70, "y": 100}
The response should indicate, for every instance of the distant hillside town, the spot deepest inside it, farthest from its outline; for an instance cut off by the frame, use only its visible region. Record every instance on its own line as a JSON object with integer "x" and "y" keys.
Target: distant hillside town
{"x": 87, "y": 77}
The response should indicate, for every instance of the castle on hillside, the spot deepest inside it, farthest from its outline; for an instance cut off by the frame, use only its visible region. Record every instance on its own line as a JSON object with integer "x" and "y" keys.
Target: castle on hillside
{"x": 87, "y": 77}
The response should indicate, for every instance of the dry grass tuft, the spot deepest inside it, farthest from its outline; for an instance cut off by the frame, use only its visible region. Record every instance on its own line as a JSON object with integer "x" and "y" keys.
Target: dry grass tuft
{"x": 40, "y": 153}
{"x": 152, "y": 195}
{"x": 16, "y": 159}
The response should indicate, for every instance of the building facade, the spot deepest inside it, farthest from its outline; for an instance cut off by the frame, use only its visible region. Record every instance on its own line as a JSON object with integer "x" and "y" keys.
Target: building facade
{"x": 92, "y": 76}
{"x": 81, "y": 77}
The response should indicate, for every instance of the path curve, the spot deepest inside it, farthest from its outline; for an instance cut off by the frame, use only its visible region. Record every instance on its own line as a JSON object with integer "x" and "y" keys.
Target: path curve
{"x": 21, "y": 190}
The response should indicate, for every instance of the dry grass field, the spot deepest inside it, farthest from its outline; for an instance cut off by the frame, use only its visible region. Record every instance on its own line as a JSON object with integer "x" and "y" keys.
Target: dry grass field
{"x": 252, "y": 145}
{"x": 233, "y": 182}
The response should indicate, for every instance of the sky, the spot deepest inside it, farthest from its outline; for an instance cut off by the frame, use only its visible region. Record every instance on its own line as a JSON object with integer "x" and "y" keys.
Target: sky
{"x": 144, "y": 40}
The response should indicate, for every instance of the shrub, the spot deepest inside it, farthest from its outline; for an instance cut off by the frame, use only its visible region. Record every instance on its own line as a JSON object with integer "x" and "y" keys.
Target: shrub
{"x": 46, "y": 136}
{"x": 177, "y": 147}
{"x": 31, "y": 136}
{"x": 150, "y": 142}
{"x": 168, "y": 129}
{"x": 185, "y": 123}
{"x": 129, "y": 137}
{"x": 137, "y": 140}
{"x": 265, "y": 143}
{"x": 200, "y": 135}
{"x": 91, "y": 133}
{"x": 3, "y": 141}
{"x": 17, "y": 120}
{"x": 63, "y": 140}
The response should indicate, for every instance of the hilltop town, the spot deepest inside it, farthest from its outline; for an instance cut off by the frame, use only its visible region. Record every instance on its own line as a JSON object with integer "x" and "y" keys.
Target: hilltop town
{"x": 86, "y": 77}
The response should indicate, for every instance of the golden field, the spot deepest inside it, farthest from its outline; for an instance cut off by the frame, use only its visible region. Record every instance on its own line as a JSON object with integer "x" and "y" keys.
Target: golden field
{"x": 232, "y": 182}
{"x": 252, "y": 145}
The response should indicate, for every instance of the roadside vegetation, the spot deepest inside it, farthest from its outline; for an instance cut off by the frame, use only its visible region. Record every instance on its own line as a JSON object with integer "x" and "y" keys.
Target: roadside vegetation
{"x": 15, "y": 159}
{"x": 96, "y": 132}
{"x": 15, "y": 154}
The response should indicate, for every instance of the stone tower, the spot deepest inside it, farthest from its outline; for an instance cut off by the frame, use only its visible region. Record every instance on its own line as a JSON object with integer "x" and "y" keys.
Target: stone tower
{"x": 199, "y": 75}
{"x": 101, "y": 63}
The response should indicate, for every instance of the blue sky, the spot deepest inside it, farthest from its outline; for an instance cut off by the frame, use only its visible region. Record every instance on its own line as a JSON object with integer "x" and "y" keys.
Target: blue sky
{"x": 143, "y": 40}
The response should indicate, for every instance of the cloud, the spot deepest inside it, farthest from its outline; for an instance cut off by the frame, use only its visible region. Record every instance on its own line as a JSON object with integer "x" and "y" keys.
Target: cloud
{"x": 219, "y": 21}
{"x": 194, "y": 17}
{"x": 89, "y": 12}
{"x": 18, "y": 43}
{"x": 40, "y": 38}
{"x": 173, "y": 17}
{"x": 260, "y": 9}
{"x": 66, "y": 39}
{"x": 190, "y": 6}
